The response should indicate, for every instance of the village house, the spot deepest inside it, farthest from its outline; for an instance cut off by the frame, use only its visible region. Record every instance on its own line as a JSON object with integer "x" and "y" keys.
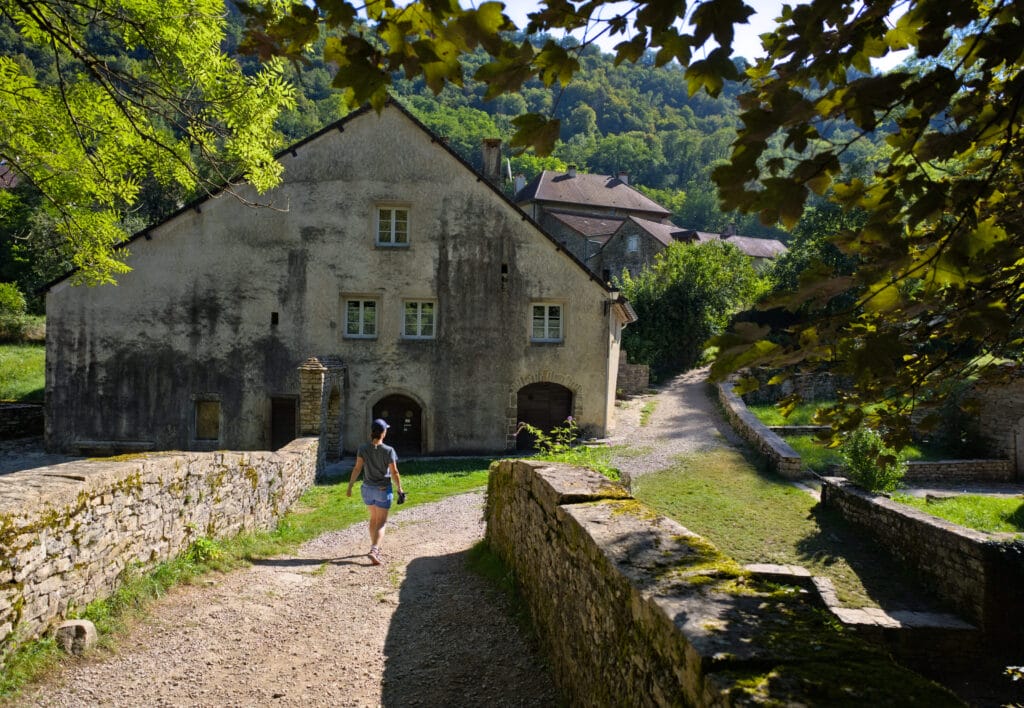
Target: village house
{"x": 614, "y": 228}
{"x": 387, "y": 279}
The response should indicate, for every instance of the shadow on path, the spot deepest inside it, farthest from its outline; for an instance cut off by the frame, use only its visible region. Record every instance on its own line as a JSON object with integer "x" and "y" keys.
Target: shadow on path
{"x": 446, "y": 639}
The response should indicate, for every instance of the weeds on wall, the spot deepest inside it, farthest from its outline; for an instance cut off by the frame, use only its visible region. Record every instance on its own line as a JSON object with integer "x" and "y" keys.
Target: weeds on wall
{"x": 562, "y": 444}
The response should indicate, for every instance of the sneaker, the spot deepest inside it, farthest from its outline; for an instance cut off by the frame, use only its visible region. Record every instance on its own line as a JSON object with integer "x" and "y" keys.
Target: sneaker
{"x": 374, "y": 556}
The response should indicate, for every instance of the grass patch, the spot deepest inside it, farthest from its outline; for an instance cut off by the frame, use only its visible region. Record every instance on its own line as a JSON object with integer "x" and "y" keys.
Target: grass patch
{"x": 22, "y": 372}
{"x": 803, "y": 414}
{"x": 596, "y": 458}
{"x": 646, "y": 412}
{"x": 323, "y": 508}
{"x": 820, "y": 458}
{"x": 759, "y": 518}
{"x": 973, "y": 511}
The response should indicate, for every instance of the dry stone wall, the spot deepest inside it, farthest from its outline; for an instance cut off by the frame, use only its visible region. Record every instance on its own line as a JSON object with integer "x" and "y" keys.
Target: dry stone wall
{"x": 781, "y": 456}
{"x": 980, "y": 574}
{"x": 20, "y": 420}
{"x": 69, "y": 532}
{"x": 633, "y": 609}
{"x": 632, "y": 378}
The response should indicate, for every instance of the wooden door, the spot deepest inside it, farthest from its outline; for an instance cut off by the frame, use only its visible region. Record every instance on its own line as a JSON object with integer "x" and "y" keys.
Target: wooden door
{"x": 405, "y": 417}
{"x": 542, "y": 405}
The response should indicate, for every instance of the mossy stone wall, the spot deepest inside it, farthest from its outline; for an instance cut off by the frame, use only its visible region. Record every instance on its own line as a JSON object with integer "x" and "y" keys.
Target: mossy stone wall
{"x": 633, "y": 609}
{"x": 68, "y": 532}
{"x": 980, "y": 574}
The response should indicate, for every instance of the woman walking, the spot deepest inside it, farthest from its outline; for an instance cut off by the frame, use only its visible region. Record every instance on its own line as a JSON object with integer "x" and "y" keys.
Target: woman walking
{"x": 379, "y": 465}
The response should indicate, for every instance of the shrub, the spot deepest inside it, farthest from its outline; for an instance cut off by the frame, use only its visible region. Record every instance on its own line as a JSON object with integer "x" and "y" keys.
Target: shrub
{"x": 871, "y": 463}
{"x": 12, "y": 312}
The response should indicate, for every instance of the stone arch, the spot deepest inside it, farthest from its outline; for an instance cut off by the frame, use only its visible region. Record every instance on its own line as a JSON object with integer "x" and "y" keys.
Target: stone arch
{"x": 420, "y": 409}
{"x": 542, "y": 376}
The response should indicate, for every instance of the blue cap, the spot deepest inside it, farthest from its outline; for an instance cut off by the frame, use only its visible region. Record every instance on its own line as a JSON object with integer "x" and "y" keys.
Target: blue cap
{"x": 379, "y": 426}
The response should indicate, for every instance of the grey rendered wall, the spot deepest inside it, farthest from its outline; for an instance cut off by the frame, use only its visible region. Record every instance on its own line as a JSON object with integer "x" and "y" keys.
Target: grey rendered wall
{"x": 193, "y": 319}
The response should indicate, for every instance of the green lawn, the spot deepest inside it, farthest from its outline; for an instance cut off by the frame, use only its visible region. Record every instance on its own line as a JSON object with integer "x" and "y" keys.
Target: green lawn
{"x": 820, "y": 458}
{"x": 803, "y": 414}
{"x": 760, "y": 518}
{"x": 22, "y": 373}
{"x": 982, "y": 513}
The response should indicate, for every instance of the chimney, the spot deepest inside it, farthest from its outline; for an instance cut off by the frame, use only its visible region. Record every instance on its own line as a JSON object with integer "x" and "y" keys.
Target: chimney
{"x": 492, "y": 160}
{"x": 624, "y": 177}
{"x": 572, "y": 171}
{"x": 520, "y": 183}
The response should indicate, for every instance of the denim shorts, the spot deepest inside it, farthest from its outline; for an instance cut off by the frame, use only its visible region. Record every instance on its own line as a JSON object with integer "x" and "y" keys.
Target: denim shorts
{"x": 377, "y": 496}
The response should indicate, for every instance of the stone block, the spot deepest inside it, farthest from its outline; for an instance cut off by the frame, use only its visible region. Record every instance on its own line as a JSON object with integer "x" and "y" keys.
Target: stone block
{"x": 76, "y": 636}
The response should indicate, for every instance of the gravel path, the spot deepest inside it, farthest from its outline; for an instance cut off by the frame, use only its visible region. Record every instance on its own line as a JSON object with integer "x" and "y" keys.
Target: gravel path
{"x": 326, "y": 628}
{"x": 683, "y": 419}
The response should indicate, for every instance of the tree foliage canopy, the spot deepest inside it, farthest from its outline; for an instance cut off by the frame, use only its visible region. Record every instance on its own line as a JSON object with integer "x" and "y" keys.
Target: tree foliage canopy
{"x": 688, "y": 296}
{"x": 97, "y": 98}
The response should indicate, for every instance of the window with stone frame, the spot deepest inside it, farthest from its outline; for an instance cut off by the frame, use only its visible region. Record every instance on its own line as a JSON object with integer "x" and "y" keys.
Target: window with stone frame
{"x": 546, "y": 322}
{"x": 419, "y": 320}
{"x": 392, "y": 226}
{"x": 360, "y": 318}
{"x": 632, "y": 243}
{"x": 207, "y": 420}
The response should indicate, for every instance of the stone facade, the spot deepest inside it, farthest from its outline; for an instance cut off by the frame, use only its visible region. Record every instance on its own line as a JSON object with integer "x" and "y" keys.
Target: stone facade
{"x": 960, "y": 471}
{"x": 632, "y": 609}
{"x": 631, "y": 248}
{"x": 980, "y": 574}
{"x": 780, "y": 455}
{"x": 1001, "y": 419}
{"x": 68, "y": 533}
{"x": 204, "y": 340}
{"x": 20, "y": 420}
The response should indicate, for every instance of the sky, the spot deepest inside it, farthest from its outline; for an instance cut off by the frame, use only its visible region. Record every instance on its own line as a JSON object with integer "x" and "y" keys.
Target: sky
{"x": 747, "y": 44}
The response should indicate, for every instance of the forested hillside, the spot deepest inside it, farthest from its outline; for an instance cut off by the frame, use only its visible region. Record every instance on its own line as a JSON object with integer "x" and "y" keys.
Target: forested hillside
{"x": 633, "y": 118}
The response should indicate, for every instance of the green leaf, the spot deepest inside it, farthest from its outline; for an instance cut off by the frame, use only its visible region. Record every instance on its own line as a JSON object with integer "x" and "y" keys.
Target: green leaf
{"x": 535, "y": 131}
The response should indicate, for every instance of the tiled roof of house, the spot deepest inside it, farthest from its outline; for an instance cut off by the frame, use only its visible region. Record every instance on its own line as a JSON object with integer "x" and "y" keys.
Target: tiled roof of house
{"x": 589, "y": 226}
{"x": 8, "y": 177}
{"x": 665, "y": 233}
{"x": 587, "y": 190}
{"x": 758, "y": 247}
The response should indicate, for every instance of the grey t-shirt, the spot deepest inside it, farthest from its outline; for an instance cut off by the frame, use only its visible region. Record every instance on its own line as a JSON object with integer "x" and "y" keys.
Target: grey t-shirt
{"x": 377, "y": 461}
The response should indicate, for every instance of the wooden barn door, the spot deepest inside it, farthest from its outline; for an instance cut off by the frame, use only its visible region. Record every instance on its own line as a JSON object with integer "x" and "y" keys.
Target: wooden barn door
{"x": 542, "y": 405}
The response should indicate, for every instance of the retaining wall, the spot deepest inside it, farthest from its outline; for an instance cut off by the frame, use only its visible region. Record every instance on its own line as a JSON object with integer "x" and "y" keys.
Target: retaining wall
{"x": 781, "y": 456}
{"x": 633, "y": 609}
{"x": 632, "y": 378}
{"x": 68, "y": 532}
{"x": 960, "y": 471}
{"x": 20, "y": 420}
{"x": 980, "y": 574}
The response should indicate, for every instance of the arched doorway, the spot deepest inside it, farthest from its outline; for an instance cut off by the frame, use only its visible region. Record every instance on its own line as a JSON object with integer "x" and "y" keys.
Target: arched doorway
{"x": 543, "y": 405}
{"x": 405, "y": 417}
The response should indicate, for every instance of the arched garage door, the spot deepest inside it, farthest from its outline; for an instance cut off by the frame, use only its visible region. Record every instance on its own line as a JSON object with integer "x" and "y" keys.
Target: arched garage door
{"x": 542, "y": 405}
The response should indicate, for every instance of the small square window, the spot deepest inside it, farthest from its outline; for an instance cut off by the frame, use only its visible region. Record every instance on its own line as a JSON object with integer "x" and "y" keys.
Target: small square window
{"x": 207, "y": 420}
{"x": 546, "y": 322}
{"x": 361, "y": 318}
{"x": 392, "y": 226}
{"x": 419, "y": 321}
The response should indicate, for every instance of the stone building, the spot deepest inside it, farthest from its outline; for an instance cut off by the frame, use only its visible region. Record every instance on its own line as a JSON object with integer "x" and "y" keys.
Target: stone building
{"x": 612, "y": 227}
{"x": 387, "y": 280}
{"x": 581, "y": 211}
